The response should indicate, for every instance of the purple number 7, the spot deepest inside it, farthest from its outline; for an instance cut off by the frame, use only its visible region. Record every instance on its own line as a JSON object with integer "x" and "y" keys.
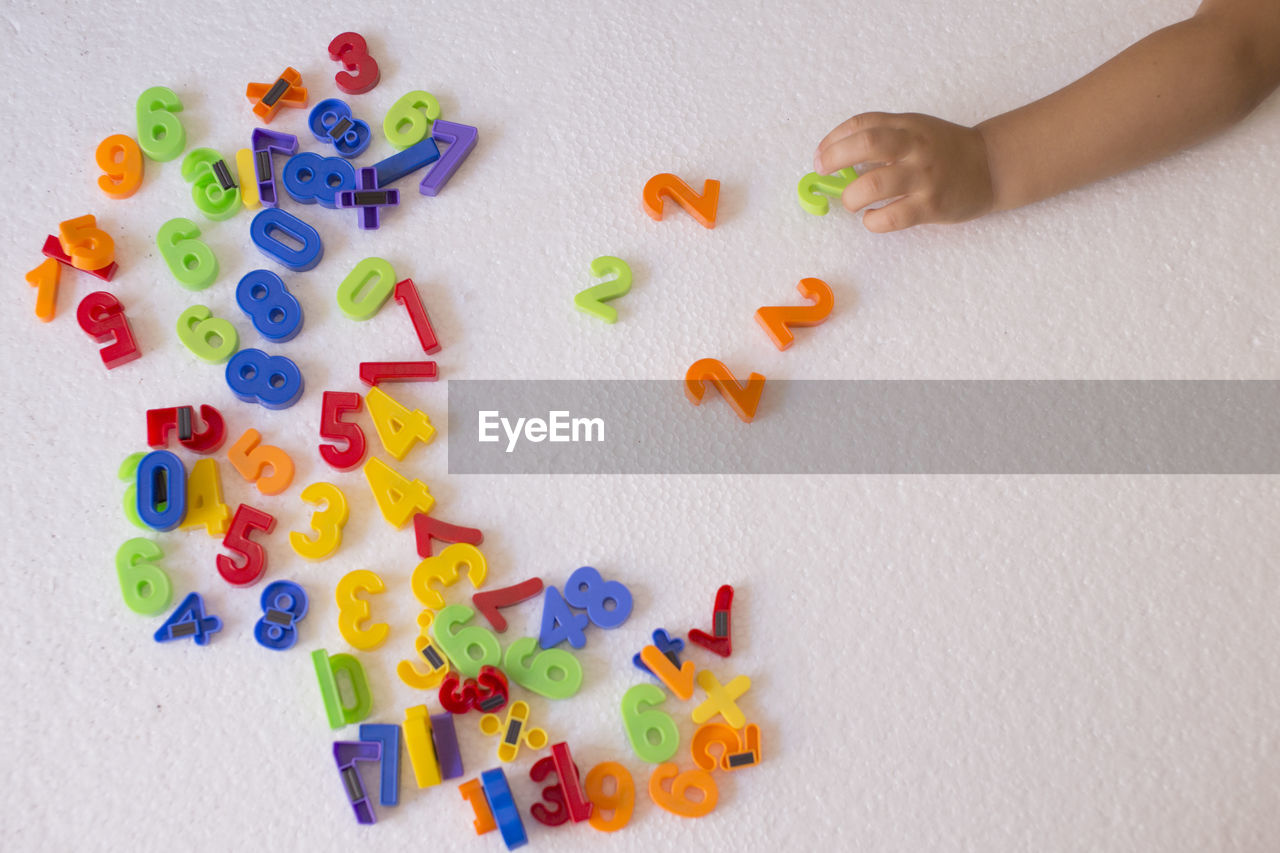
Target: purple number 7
{"x": 460, "y": 138}
{"x": 264, "y": 142}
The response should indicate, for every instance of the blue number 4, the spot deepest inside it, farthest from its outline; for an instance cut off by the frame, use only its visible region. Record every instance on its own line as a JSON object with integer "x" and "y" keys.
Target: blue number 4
{"x": 189, "y": 621}
{"x": 560, "y": 623}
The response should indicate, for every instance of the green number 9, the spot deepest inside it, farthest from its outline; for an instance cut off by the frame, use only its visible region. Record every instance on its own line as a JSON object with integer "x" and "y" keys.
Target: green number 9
{"x": 537, "y": 675}
{"x": 160, "y": 135}
{"x": 199, "y": 329}
{"x": 192, "y": 262}
{"x": 210, "y": 198}
{"x": 469, "y": 648}
{"x": 409, "y": 120}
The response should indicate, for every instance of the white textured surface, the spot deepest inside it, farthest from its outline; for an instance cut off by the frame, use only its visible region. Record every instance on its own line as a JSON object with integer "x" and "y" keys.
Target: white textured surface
{"x": 990, "y": 663}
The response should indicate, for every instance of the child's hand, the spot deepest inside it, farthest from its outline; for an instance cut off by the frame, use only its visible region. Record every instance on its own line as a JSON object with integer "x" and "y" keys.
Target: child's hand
{"x": 937, "y": 170}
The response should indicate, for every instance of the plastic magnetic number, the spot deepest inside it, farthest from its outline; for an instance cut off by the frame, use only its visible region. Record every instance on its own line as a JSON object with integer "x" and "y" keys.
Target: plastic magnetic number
{"x": 353, "y": 611}
{"x": 120, "y": 159}
{"x": 559, "y": 623}
{"x": 398, "y": 497}
{"x": 332, "y": 116}
{"x": 101, "y": 316}
{"x": 554, "y": 673}
{"x": 351, "y": 50}
{"x": 398, "y": 427}
{"x": 211, "y": 198}
{"x": 473, "y": 793}
{"x": 204, "y": 499}
{"x": 447, "y": 567}
{"x": 245, "y": 171}
{"x": 45, "y": 279}
{"x": 469, "y": 647}
{"x": 813, "y": 189}
{"x": 551, "y": 795}
{"x": 246, "y": 520}
{"x": 678, "y": 680}
{"x": 284, "y": 605}
{"x": 487, "y": 603}
{"x": 410, "y": 671}
{"x": 128, "y": 473}
{"x": 777, "y": 320}
{"x": 272, "y": 309}
{"x": 720, "y": 640}
{"x": 742, "y": 397}
{"x": 487, "y": 692}
{"x": 190, "y": 261}
{"x": 736, "y": 751}
{"x": 377, "y": 372}
{"x": 653, "y": 734}
{"x": 162, "y": 490}
{"x": 407, "y": 295}
{"x": 250, "y": 457}
{"x": 52, "y": 248}
{"x": 591, "y": 301}
{"x": 310, "y": 178}
{"x": 271, "y": 381}
{"x": 586, "y": 590}
{"x": 209, "y": 338}
{"x": 620, "y": 802}
{"x": 460, "y": 138}
{"x": 89, "y": 247}
{"x": 366, "y": 288}
{"x": 333, "y": 405}
{"x": 161, "y": 423}
{"x": 409, "y": 120}
{"x": 677, "y": 800}
{"x": 264, "y": 143}
{"x": 160, "y": 135}
{"x": 189, "y": 621}
{"x": 272, "y": 220}
{"x": 327, "y": 523}
{"x": 701, "y": 207}
{"x": 145, "y": 585}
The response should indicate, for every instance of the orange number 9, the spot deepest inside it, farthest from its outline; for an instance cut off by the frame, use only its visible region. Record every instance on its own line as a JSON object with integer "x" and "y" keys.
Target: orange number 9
{"x": 120, "y": 159}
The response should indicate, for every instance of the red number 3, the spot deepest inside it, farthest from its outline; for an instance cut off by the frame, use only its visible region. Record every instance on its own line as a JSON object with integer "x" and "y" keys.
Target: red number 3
{"x": 350, "y": 49}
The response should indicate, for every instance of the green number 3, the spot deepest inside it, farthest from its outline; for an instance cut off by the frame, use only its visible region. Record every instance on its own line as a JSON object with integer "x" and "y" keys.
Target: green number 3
{"x": 210, "y": 198}
{"x": 160, "y": 135}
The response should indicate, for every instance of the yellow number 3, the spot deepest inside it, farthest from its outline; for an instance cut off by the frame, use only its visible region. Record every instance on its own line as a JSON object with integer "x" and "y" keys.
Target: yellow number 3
{"x": 327, "y": 523}
{"x": 446, "y": 568}
{"x": 352, "y": 611}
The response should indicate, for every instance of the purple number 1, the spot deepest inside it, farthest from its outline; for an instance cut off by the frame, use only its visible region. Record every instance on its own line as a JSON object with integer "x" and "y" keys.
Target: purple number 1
{"x": 264, "y": 142}
{"x": 460, "y": 138}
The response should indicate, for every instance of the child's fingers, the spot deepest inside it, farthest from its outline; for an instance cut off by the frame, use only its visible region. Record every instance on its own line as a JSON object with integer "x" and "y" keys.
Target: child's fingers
{"x": 858, "y": 123}
{"x": 875, "y": 145}
{"x": 878, "y": 185}
{"x": 894, "y": 217}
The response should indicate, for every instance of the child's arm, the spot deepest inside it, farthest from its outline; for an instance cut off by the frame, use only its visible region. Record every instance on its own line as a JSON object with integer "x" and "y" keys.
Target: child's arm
{"x": 1173, "y": 89}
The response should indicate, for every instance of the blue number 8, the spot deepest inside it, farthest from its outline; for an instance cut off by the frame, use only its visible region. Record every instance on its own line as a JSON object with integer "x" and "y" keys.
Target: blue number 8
{"x": 310, "y": 178}
{"x": 272, "y": 381}
{"x": 334, "y": 115}
{"x": 284, "y": 604}
{"x": 587, "y": 591}
{"x": 274, "y": 311}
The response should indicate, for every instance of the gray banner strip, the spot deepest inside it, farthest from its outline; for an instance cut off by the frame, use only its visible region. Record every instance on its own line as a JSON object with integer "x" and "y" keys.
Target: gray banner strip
{"x": 867, "y": 427}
